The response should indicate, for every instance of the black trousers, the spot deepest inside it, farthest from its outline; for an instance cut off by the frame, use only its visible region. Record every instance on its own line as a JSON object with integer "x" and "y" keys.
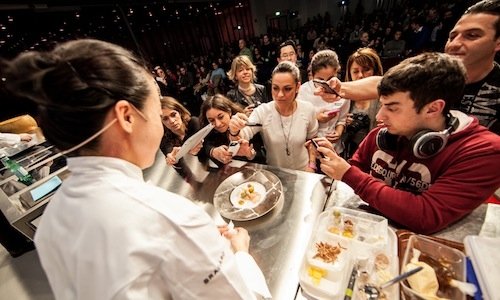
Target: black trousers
{"x": 12, "y": 240}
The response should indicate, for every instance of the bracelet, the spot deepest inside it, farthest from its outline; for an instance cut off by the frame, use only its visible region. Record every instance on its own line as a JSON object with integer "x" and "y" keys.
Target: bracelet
{"x": 237, "y": 133}
{"x": 312, "y": 165}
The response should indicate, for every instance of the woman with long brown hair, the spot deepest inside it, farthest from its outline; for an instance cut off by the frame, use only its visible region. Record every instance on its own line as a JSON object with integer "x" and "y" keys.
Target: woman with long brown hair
{"x": 179, "y": 126}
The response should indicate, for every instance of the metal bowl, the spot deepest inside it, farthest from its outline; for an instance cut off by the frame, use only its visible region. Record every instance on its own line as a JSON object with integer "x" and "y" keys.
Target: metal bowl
{"x": 222, "y": 197}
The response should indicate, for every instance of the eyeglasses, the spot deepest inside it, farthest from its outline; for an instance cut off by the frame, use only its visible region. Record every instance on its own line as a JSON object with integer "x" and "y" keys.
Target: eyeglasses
{"x": 288, "y": 55}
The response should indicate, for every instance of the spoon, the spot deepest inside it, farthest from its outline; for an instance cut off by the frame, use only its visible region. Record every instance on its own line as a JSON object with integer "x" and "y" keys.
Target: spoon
{"x": 373, "y": 292}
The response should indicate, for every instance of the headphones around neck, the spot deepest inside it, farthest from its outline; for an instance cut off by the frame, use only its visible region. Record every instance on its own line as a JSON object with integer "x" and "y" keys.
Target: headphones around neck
{"x": 424, "y": 144}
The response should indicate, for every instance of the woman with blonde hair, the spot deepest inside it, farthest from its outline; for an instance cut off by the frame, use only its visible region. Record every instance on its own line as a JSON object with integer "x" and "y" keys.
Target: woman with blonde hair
{"x": 363, "y": 63}
{"x": 179, "y": 125}
{"x": 247, "y": 93}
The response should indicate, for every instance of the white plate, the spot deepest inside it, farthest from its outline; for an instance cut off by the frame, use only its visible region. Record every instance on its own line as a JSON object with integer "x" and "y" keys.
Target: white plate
{"x": 239, "y": 202}
{"x": 227, "y": 195}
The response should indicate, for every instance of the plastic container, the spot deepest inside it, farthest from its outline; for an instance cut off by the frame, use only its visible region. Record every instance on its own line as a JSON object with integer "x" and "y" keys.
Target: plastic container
{"x": 363, "y": 237}
{"x": 441, "y": 256}
{"x": 484, "y": 255}
{"x": 367, "y": 231}
{"x": 326, "y": 279}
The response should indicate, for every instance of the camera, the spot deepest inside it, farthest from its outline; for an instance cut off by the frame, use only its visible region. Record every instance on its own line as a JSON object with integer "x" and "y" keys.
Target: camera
{"x": 359, "y": 121}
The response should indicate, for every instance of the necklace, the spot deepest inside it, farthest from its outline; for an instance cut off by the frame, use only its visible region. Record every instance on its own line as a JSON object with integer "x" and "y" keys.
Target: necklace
{"x": 285, "y": 135}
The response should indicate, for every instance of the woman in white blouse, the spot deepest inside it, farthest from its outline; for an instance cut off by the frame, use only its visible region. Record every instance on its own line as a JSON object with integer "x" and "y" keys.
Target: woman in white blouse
{"x": 285, "y": 123}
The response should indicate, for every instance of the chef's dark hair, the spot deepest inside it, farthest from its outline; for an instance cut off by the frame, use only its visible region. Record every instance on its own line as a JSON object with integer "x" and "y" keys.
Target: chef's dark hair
{"x": 75, "y": 85}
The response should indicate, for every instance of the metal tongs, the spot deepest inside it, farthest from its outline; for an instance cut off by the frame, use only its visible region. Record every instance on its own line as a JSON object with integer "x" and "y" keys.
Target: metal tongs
{"x": 373, "y": 292}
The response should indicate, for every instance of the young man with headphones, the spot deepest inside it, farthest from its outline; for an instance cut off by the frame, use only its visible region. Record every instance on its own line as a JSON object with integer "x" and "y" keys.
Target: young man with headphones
{"x": 427, "y": 166}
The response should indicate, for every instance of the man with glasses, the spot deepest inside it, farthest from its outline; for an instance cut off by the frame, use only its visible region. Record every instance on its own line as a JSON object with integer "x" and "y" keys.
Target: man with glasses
{"x": 288, "y": 52}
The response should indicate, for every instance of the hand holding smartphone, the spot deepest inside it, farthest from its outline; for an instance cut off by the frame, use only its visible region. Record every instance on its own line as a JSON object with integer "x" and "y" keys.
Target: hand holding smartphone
{"x": 332, "y": 112}
{"x": 316, "y": 145}
{"x": 326, "y": 87}
{"x": 234, "y": 146}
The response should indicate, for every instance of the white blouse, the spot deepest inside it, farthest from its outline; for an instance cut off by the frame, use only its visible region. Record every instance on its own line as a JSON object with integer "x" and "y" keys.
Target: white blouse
{"x": 281, "y": 133}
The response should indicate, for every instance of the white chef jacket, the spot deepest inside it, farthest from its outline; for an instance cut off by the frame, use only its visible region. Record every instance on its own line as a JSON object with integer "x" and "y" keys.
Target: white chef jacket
{"x": 106, "y": 234}
{"x": 8, "y": 139}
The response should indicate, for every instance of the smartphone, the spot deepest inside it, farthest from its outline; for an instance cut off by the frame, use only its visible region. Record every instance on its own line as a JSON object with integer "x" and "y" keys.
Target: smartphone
{"x": 325, "y": 86}
{"x": 316, "y": 145}
{"x": 333, "y": 111}
{"x": 253, "y": 124}
{"x": 234, "y": 146}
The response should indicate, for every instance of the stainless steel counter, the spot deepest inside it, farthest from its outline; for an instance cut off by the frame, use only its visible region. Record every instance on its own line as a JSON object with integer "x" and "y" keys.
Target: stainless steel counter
{"x": 279, "y": 238}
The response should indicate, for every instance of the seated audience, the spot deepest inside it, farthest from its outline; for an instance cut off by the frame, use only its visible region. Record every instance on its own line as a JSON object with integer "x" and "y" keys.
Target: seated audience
{"x": 396, "y": 46}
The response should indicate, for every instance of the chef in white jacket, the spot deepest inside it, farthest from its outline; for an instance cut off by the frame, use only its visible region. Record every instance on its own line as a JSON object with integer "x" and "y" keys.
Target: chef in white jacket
{"x": 107, "y": 234}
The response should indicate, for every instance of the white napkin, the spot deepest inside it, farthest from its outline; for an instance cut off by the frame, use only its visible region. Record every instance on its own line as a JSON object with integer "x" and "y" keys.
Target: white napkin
{"x": 231, "y": 230}
{"x": 491, "y": 225}
{"x": 252, "y": 275}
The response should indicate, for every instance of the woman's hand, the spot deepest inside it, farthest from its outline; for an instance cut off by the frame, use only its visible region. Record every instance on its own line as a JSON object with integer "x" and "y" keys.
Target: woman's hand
{"x": 324, "y": 116}
{"x": 25, "y": 137}
{"x": 248, "y": 110}
{"x": 222, "y": 154}
{"x": 333, "y": 136}
{"x": 237, "y": 122}
{"x": 171, "y": 157}
{"x": 196, "y": 149}
{"x": 240, "y": 241}
{"x": 246, "y": 149}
